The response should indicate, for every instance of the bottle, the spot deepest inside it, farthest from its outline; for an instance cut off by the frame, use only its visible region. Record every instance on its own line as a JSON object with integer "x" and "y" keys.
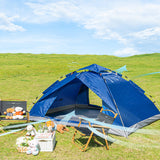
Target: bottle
{"x": 40, "y": 129}
{"x": 45, "y": 128}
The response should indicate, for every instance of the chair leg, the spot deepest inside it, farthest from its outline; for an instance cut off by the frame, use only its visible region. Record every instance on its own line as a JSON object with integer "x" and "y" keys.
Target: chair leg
{"x": 76, "y": 131}
{"x": 80, "y": 132}
{"x": 73, "y": 138}
{"x": 84, "y": 147}
{"x": 27, "y": 117}
{"x": 96, "y": 141}
{"x": 90, "y": 137}
{"x": 1, "y": 128}
{"x": 107, "y": 146}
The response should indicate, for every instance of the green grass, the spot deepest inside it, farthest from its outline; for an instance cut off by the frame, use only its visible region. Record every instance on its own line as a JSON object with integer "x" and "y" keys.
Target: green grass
{"x": 25, "y": 76}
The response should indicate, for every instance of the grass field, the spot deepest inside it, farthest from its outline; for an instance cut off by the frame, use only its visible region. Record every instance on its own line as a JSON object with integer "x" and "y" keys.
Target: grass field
{"x": 25, "y": 76}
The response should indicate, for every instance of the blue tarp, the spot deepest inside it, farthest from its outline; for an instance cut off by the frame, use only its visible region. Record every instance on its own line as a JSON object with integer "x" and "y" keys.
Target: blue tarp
{"x": 121, "y": 96}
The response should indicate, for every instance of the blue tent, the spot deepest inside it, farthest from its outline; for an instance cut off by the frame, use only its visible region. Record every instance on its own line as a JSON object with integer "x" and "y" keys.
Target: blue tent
{"x": 71, "y": 95}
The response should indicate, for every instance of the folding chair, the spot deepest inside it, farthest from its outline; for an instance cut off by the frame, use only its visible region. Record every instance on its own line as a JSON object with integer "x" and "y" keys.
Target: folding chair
{"x": 5, "y": 104}
{"x": 103, "y": 129}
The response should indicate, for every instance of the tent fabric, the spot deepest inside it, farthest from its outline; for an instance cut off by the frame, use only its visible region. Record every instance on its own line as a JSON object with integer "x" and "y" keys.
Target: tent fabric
{"x": 136, "y": 126}
{"x": 130, "y": 100}
{"x": 55, "y": 87}
{"x": 124, "y": 97}
{"x": 100, "y": 89}
{"x": 94, "y": 68}
{"x": 41, "y": 111}
{"x": 83, "y": 94}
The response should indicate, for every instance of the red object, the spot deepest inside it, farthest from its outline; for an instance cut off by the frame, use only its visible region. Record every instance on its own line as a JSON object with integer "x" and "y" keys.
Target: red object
{"x": 19, "y": 113}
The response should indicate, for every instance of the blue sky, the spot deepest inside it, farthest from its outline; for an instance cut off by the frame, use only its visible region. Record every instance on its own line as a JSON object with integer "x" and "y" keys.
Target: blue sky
{"x": 103, "y": 27}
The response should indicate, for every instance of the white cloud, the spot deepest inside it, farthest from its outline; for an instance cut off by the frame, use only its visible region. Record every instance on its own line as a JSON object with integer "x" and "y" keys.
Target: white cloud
{"x": 108, "y": 20}
{"x": 6, "y": 23}
{"x": 54, "y": 11}
{"x": 147, "y": 33}
{"x": 126, "y": 52}
{"x": 123, "y": 23}
{"x": 84, "y": 14}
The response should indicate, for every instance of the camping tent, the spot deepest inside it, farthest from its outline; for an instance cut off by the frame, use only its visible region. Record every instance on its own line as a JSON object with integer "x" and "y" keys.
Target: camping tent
{"x": 135, "y": 110}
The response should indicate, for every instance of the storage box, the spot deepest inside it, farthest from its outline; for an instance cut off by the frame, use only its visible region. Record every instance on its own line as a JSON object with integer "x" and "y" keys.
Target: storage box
{"x": 47, "y": 144}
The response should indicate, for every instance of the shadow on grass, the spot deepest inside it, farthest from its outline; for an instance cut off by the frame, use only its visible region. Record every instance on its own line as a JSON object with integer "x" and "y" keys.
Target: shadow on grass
{"x": 81, "y": 141}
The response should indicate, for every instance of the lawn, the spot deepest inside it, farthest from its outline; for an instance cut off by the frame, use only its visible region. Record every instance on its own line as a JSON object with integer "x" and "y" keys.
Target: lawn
{"x": 26, "y": 76}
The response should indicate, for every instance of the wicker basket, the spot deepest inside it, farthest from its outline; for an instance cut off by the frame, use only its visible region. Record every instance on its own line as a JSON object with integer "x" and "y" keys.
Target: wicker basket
{"x": 22, "y": 149}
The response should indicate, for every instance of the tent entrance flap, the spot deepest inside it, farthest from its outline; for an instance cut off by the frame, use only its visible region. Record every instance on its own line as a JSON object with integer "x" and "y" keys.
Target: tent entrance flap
{"x": 100, "y": 89}
{"x": 82, "y": 97}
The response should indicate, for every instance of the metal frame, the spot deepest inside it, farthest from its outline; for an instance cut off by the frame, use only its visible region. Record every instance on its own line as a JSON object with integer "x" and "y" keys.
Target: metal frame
{"x": 84, "y": 147}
